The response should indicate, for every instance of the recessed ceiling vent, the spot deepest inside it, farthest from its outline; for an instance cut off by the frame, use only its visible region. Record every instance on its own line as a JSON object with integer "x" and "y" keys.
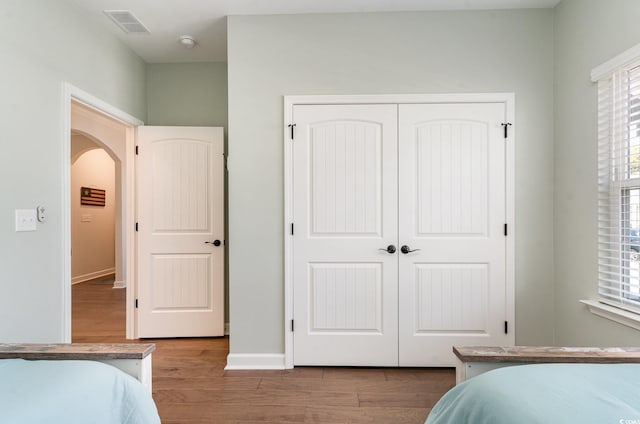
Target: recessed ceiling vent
{"x": 127, "y": 21}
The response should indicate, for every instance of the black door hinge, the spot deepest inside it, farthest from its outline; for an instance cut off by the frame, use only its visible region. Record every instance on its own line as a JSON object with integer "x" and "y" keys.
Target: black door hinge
{"x": 505, "y": 230}
{"x": 136, "y": 303}
{"x": 506, "y": 327}
{"x": 291, "y": 126}
{"x": 292, "y": 326}
{"x": 506, "y": 126}
{"x": 137, "y": 150}
{"x": 292, "y": 228}
{"x": 136, "y": 226}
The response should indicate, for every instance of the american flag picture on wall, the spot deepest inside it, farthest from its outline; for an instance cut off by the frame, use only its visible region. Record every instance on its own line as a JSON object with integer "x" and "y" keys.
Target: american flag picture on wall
{"x": 92, "y": 196}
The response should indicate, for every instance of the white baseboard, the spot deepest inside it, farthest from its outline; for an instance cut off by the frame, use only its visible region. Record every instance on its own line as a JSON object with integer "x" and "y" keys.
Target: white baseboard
{"x": 255, "y": 361}
{"x": 119, "y": 284}
{"x": 92, "y": 275}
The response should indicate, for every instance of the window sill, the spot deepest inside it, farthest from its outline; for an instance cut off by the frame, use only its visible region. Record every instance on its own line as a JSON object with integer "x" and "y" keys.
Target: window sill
{"x": 612, "y": 313}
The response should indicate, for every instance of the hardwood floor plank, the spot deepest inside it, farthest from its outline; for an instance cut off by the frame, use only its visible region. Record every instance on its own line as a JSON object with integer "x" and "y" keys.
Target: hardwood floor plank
{"x": 405, "y": 400}
{"x": 366, "y": 415}
{"x": 218, "y": 414}
{"x": 397, "y": 386}
{"x": 256, "y": 397}
{"x": 298, "y": 372}
{"x": 204, "y": 383}
{"x": 180, "y": 371}
{"x": 420, "y": 374}
{"x": 354, "y": 374}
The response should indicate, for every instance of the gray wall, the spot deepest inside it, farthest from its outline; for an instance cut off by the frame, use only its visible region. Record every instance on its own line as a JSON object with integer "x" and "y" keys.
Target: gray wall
{"x": 46, "y": 42}
{"x": 187, "y": 94}
{"x": 273, "y": 56}
{"x": 588, "y": 33}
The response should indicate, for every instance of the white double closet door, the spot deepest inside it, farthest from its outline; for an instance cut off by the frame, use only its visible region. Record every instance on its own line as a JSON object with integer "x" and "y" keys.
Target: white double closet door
{"x": 399, "y": 248}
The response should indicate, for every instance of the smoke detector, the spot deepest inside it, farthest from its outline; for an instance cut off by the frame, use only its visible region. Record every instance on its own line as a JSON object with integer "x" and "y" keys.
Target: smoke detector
{"x": 126, "y": 21}
{"x": 187, "y": 41}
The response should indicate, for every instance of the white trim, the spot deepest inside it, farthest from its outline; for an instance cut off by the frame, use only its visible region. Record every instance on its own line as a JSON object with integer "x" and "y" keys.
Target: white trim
{"x": 255, "y": 361}
{"x": 621, "y": 316}
{"x": 65, "y": 252}
{"x": 290, "y": 101}
{"x": 623, "y": 59}
{"x": 93, "y": 275}
{"x": 69, "y": 93}
{"x": 119, "y": 284}
{"x": 101, "y": 106}
{"x": 510, "y": 201}
{"x": 129, "y": 235}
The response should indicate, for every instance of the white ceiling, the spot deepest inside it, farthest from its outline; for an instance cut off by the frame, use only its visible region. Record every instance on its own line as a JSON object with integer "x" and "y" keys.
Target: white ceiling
{"x": 205, "y": 19}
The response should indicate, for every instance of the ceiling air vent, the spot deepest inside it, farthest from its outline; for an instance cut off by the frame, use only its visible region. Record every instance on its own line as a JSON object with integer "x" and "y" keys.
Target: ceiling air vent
{"x": 126, "y": 21}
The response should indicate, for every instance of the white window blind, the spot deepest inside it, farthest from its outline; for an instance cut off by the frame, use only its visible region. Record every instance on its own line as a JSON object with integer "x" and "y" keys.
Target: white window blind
{"x": 619, "y": 187}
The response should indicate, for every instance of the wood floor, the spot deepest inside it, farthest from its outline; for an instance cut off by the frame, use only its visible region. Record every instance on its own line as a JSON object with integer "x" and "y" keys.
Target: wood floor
{"x": 191, "y": 386}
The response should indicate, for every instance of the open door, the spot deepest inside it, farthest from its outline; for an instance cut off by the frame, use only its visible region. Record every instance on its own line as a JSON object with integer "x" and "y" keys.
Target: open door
{"x": 180, "y": 228}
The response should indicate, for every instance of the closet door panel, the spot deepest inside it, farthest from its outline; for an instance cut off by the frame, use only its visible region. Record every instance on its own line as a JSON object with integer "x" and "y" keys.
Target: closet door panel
{"x": 345, "y": 200}
{"x": 452, "y": 211}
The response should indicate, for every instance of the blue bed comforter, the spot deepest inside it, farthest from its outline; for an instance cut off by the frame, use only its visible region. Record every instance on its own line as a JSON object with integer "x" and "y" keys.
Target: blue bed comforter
{"x": 545, "y": 394}
{"x": 71, "y": 392}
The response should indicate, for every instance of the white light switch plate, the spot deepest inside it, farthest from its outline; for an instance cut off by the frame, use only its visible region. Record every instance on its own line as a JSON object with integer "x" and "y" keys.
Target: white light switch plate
{"x": 26, "y": 220}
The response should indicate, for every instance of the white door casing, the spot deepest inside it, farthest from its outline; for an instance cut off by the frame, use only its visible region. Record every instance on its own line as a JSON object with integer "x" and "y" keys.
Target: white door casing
{"x": 72, "y": 93}
{"x": 452, "y": 202}
{"x": 180, "y": 214}
{"x": 344, "y": 207}
{"x": 416, "y": 273}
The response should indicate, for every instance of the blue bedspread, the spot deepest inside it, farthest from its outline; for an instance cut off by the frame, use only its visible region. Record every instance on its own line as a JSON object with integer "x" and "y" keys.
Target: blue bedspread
{"x": 545, "y": 394}
{"x": 70, "y": 392}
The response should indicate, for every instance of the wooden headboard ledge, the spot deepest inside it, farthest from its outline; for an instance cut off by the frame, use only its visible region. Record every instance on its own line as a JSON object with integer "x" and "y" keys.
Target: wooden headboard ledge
{"x": 475, "y": 360}
{"x": 545, "y": 354}
{"x": 80, "y": 351}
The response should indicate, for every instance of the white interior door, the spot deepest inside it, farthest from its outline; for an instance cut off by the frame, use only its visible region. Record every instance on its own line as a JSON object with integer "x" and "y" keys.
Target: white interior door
{"x": 180, "y": 217}
{"x": 345, "y": 211}
{"x": 452, "y": 216}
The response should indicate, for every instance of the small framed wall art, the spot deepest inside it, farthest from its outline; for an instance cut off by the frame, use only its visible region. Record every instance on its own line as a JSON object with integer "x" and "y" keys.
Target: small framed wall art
{"x": 92, "y": 196}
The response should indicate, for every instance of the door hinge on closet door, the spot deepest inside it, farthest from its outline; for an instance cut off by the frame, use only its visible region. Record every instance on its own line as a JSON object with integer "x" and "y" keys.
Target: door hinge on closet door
{"x": 291, "y": 127}
{"x": 136, "y": 303}
{"x": 506, "y": 126}
{"x": 137, "y": 150}
{"x": 292, "y": 327}
{"x": 506, "y": 327}
{"x": 506, "y": 232}
{"x": 136, "y": 226}
{"x": 292, "y": 228}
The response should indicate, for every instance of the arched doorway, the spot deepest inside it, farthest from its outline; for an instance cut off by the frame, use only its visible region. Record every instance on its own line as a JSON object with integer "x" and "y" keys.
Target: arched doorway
{"x": 97, "y": 212}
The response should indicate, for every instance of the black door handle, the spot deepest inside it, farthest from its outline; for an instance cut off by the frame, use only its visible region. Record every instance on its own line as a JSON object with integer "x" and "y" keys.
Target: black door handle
{"x": 215, "y": 242}
{"x": 390, "y": 249}
{"x": 406, "y": 249}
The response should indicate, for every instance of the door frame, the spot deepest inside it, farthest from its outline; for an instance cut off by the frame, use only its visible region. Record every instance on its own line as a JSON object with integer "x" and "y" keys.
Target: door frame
{"x": 71, "y": 92}
{"x": 290, "y": 101}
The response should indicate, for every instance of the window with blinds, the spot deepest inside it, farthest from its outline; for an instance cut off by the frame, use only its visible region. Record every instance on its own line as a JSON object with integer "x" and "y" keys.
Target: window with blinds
{"x": 619, "y": 187}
